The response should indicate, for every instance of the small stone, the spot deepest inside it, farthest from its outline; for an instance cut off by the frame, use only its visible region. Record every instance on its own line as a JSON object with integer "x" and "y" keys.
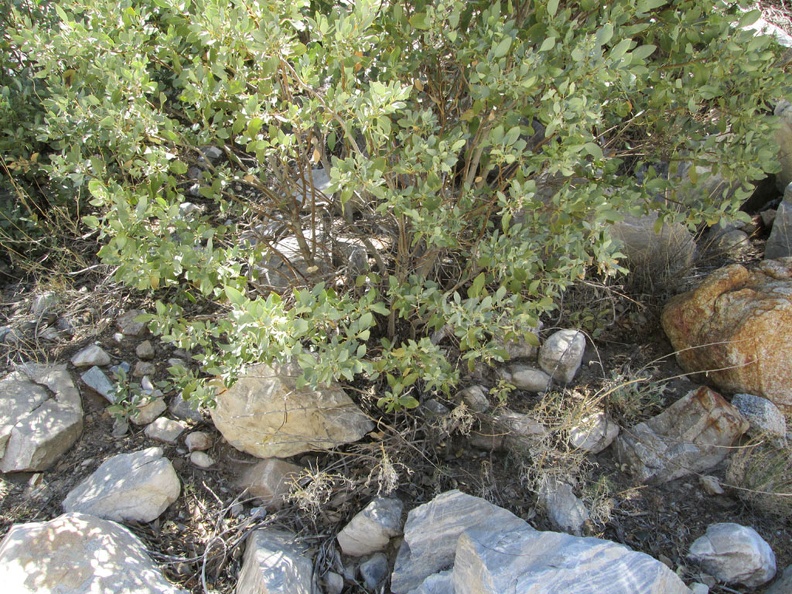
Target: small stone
{"x": 127, "y": 325}
{"x": 711, "y": 485}
{"x": 561, "y": 354}
{"x": 475, "y": 397}
{"x": 201, "y": 459}
{"x": 184, "y": 411}
{"x": 566, "y": 511}
{"x": 594, "y": 433}
{"x": 699, "y": 588}
{"x": 236, "y": 510}
{"x": 763, "y": 416}
{"x": 519, "y": 429}
{"x": 120, "y": 428}
{"x": 43, "y": 304}
{"x": 525, "y": 377}
{"x": 270, "y": 480}
{"x": 374, "y": 570}
{"x": 372, "y": 528}
{"x": 90, "y": 356}
{"x": 734, "y": 554}
{"x": 149, "y": 411}
{"x": 166, "y": 430}
{"x": 435, "y": 407}
{"x": 95, "y": 379}
{"x": 143, "y": 368}
{"x": 145, "y": 350}
{"x": 275, "y": 561}
{"x": 333, "y": 582}
{"x": 198, "y": 441}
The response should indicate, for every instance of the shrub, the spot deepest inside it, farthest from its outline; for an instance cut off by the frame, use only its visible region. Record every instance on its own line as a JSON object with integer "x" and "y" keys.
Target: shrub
{"x": 476, "y": 150}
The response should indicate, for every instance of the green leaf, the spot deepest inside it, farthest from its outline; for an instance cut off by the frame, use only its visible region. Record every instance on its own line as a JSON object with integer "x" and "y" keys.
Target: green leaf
{"x": 478, "y": 284}
{"x": 620, "y": 49}
{"x": 547, "y": 44}
{"x": 552, "y": 7}
{"x": 235, "y": 297}
{"x": 605, "y": 34}
{"x": 642, "y": 52}
{"x": 420, "y": 21}
{"x": 502, "y": 48}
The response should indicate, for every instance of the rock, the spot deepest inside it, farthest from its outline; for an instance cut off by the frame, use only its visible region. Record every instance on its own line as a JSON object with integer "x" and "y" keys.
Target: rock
{"x": 475, "y": 397}
{"x": 165, "y": 430}
{"x": 566, "y": 512}
{"x": 691, "y": 436}
{"x": 374, "y": 570}
{"x": 120, "y": 428}
{"x": 727, "y": 240}
{"x": 763, "y": 416}
{"x": 779, "y": 244}
{"x": 135, "y": 487}
{"x": 78, "y": 554}
{"x": 127, "y": 325}
{"x": 184, "y": 411}
{"x": 333, "y": 582}
{"x": 201, "y": 459}
{"x": 519, "y": 429}
{"x": 737, "y": 327}
{"x": 148, "y": 412}
{"x": 266, "y": 415}
{"x": 522, "y": 347}
{"x": 435, "y": 408}
{"x": 95, "y": 379}
{"x": 525, "y": 377}
{"x": 561, "y": 354}
{"x": 432, "y": 530}
{"x": 698, "y": 588}
{"x": 594, "y": 433}
{"x": 44, "y": 304}
{"x": 90, "y": 356}
{"x": 441, "y": 582}
{"x": 145, "y": 350}
{"x": 41, "y": 417}
{"x": 490, "y": 560}
{"x": 783, "y": 111}
{"x": 213, "y": 154}
{"x": 657, "y": 257}
{"x": 783, "y": 585}
{"x": 144, "y": 368}
{"x": 372, "y": 528}
{"x": 275, "y": 563}
{"x": 734, "y": 554}
{"x": 711, "y": 485}
{"x": 269, "y": 481}
{"x": 198, "y": 441}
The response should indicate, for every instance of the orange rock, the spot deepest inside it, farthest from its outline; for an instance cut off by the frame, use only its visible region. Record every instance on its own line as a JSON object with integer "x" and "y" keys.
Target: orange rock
{"x": 737, "y": 328}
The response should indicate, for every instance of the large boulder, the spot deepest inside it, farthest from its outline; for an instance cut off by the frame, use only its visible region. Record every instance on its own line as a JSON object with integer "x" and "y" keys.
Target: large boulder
{"x": 692, "y": 435}
{"x": 520, "y": 560}
{"x": 40, "y": 417}
{"x": 134, "y": 487}
{"x": 78, "y": 554}
{"x": 265, "y": 414}
{"x": 737, "y": 327}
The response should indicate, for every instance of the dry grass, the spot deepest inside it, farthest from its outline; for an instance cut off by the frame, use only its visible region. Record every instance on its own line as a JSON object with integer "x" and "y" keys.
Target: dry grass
{"x": 761, "y": 474}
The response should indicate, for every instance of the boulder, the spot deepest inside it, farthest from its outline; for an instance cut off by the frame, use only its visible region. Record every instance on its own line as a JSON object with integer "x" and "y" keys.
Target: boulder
{"x": 521, "y": 560}
{"x": 432, "y": 530}
{"x": 779, "y": 244}
{"x": 372, "y": 528}
{"x": 40, "y": 417}
{"x": 783, "y": 112}
{"x": 737, "y": 327}
{"x": 78, "y": 554}
{"x": 561, "y": 354}
{"x": 265, "y": 414}
{"x": 135, "y": 487}
{"x": 782, "y": 585}
{"x": 594, "y": 433}
{"x": 690, "y": 436}
{"x": 275, "y": 563}
{"x": 734, "y": 554}
{"x": 565, "y": 510}
{"x": 269, "y": 481}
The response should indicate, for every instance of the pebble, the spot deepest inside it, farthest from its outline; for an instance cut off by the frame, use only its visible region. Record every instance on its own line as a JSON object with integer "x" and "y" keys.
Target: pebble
{"x": 127, "y": 325}
{"x": 91, "y": 355}
{"x": 198, "y": 441}
{"x": 144, "y": 368}
{"x": 148, "y": 412}
{"x": 95, "y": 379}
{"x": 166, "y": 430}
{"x": 145, "y": 350}
{"x": 201, "y": 459}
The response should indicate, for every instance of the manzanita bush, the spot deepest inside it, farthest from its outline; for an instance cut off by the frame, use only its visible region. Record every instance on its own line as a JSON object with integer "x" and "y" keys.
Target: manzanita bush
{"x": 478, "y": 151}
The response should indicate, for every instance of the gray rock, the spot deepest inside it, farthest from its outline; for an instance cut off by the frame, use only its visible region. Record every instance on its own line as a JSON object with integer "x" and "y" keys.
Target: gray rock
{"x": 734, "y": 554}
{"x": 711, "y": 485}
{"x": 783, "y": 111}
{"x": 78, "y": 554}
{"x": 565, "y": 510}
{"x": 520, "y": 560}
{"x": 145, "y": 350}
{"x": 181, "y": 409}
{"x": 269, "y": 481}
{"x": 43, "y": 304}
{"x": 561, "y": 354}
{"x": 475, "y": 397}
{"x": 91, "y": 355}
{"x": 198, "y": 441}
{"x": 213, "y": 154}
{"x": 519, "y": 429}
{"x": 333, "y": 582}
{"x": 95, "y": 379}
{"x": 274, "y": 563}
{"x": 594, "y": 433}
{"x": 432, "y": 530}
{"x": 165, "y": 430}
{"x": 526, "y": 377}
{"x": 127, "y": 325}
{"x": 144, "y": 368}
{"x": 763, "y": 416}
{"x": 441, "y": 582}
{"x": 779, "y": 244}
{"x": 372, "y": 528}
{"x": 699, "y": 588}
{"x": 727, "y": 240}
{"x": 782, "y": 585}
{"x": 134, "y": 487}
{"x": 40, "y": 417}
{"x": 201, "y": 459}
{"x": 266, "y": 415}
{"x": 148, "y": 412}
{"x": 692, "y": 435}
{"x": 374, "y": 570}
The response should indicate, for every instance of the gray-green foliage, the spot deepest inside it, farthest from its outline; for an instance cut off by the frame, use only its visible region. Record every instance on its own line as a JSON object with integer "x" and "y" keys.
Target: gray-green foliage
{"x": 488, "y": 144}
